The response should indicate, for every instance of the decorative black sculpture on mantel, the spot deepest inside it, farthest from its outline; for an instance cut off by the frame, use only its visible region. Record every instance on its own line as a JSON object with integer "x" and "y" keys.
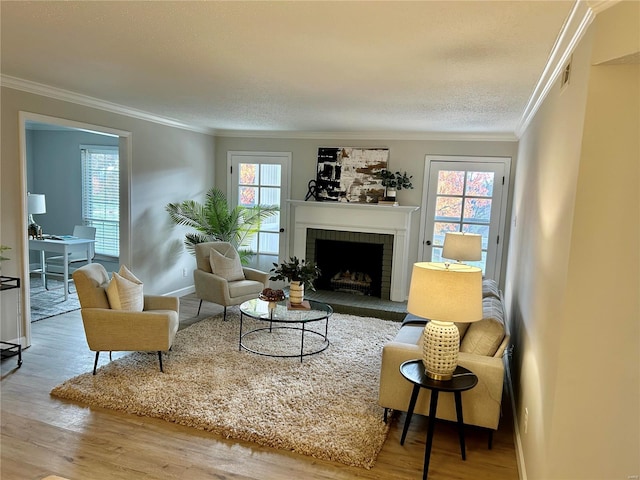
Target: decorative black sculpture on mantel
{"x": 312, "y": 191}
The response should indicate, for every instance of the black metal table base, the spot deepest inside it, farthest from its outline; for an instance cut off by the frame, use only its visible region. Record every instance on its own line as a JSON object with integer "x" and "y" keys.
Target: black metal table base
{"x": 463, "y": 380}
{"x": 304, "y": 331}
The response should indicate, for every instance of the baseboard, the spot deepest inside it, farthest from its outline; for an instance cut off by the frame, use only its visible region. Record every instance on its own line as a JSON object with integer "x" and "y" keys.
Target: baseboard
{"x": 522, "y": 471}
{"x": 181, "y": 292}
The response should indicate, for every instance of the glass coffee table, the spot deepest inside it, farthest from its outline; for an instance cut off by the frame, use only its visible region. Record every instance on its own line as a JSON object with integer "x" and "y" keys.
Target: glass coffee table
{"x": 281, "y": 321}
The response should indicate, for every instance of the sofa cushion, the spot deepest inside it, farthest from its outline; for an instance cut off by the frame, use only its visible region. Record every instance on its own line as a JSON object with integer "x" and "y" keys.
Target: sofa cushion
{"x": 245, "y": 287}
{"x": 484, "y": 337}
{"x": 124, "y": 294}
{"x": 228, "y": 267}
{"x": 492, "y": 308}
{"x": 490, "y": 288}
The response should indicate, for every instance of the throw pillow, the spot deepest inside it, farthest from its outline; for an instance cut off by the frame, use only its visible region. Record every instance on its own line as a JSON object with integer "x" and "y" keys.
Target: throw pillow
{"x": 126, "y": 273}
{"x": 484, "y": 337}
{"x": 124, "y": 294}
{"x": 229, "y": 268}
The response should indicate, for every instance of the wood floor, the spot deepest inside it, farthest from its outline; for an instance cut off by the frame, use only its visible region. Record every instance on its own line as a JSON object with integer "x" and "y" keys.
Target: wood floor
{"x": 44, "y": 436}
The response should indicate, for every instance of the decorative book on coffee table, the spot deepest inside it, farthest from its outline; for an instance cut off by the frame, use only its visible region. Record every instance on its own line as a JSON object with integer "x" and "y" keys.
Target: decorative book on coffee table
{"x": 299, "y": 306}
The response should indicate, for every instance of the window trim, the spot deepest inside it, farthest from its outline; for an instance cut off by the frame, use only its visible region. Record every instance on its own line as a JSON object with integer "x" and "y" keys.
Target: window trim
{"x": 114, "y": 251}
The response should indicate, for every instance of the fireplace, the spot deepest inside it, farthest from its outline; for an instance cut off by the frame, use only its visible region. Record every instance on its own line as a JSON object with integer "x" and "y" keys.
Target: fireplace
{"x": 391, "y": 223}
{"x": 352, "y": 262}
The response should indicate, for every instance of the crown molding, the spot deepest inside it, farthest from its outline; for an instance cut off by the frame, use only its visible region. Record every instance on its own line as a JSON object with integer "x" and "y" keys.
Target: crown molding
{"x": 382, "y": 135}
{"x": 572, "y": 31}
{"x": 68, "y": 96}
{"x": 87, "y": 101}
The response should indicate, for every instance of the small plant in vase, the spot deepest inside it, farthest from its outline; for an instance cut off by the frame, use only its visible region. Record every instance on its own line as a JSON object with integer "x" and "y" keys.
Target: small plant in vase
{"x": 299, "y": 274}
{"x": 3, "y": 248}
{"x": 394, "y": 181}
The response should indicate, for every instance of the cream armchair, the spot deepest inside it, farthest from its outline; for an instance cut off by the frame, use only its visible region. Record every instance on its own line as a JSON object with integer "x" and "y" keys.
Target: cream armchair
{"x": 109, "y": 330}
{"x": 231, "y": 283}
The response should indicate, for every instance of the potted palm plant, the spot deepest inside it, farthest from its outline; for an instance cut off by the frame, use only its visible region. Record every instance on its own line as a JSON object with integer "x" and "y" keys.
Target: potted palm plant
{"x": 299, "y": 274}
{"x": 216, "y": 221}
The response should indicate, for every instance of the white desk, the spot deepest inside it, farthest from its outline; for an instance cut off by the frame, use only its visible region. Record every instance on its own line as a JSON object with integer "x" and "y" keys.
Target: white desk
{"x": 65, "y": 247}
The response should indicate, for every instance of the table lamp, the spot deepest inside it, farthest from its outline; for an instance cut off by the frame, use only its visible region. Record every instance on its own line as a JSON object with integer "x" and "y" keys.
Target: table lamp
{"x": 444, "y": 293}
{"x": 462, "y": 247}
{"x": 36, "y": 205}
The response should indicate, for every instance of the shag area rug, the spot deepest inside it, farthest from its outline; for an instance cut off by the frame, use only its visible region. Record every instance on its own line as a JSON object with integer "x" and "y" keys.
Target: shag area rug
{"x": 48, "y": 303}
{"x": 325, "y": 407}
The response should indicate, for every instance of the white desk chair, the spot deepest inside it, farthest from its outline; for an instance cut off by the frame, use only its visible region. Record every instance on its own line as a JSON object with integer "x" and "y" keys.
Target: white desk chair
{"x": 55, "y": 265}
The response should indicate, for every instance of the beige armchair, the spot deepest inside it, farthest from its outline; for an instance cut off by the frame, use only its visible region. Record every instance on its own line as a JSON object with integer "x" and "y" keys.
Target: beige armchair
{"x": 152, "y": 329}
{"x": 231, "y": 283}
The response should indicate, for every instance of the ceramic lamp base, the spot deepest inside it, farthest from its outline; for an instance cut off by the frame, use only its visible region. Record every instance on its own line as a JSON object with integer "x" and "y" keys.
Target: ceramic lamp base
{"x": 440, "y": 346}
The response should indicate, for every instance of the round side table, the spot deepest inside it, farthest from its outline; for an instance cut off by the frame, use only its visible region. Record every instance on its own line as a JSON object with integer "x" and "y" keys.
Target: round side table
{"x": 463, "y": 379}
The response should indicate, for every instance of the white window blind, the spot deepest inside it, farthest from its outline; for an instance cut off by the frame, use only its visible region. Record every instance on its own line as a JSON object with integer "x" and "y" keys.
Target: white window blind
{"x": 101, "y": 197}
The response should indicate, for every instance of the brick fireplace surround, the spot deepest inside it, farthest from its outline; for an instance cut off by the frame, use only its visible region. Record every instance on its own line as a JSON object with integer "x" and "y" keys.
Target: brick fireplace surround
{"x": 356, "y": 217}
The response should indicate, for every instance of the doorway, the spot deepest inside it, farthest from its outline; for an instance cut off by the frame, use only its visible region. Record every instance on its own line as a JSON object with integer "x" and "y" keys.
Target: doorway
{"x": 62, "y": 176}
{"x": 465, "y": 194}
{"x": 262, "y": 178}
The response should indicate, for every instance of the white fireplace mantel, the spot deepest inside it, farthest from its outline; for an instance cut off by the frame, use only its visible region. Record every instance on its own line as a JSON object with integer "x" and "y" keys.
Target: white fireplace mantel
{"x": 359, "y": 217}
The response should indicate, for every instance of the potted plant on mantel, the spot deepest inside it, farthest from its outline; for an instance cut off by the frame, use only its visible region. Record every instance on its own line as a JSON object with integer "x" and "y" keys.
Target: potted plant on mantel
{"x": 299, "y": 274}
{"x": 393, "y": 182}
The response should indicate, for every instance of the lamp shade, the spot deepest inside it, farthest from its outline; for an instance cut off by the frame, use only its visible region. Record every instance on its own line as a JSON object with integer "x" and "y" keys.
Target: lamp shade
{"x": 462, "y": 246}
{"x": 446, "y": 292}
{"x": 36, "y": 203}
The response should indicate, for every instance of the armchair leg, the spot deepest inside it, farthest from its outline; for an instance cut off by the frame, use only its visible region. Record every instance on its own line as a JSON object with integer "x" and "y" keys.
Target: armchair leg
{"x": 199, "y": 307}
{"x": 490, "y": 439}
{"x": 95, "y": 362}
{"x": 160, "y": 358}
{"x": 224, "y": 318}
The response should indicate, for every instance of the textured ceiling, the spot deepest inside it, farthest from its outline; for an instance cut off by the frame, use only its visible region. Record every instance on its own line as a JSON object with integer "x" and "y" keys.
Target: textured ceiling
{"x": 430, "y": 66}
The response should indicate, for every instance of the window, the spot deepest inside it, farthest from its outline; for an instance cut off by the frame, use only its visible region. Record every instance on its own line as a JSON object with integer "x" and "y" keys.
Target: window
{"x": 465, "y": 194}
{"x": 101, "y": 196}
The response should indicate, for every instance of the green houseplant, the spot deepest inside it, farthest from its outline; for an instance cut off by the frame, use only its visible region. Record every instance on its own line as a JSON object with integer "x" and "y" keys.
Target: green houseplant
{"x": 2, "y": 249}
{"x": 216, "y": 221}
{"x": 299, "y": 274}
{"x": 296, "y": 270}
{"x": 2, "y": 257}
{"x": 395, "y": 181}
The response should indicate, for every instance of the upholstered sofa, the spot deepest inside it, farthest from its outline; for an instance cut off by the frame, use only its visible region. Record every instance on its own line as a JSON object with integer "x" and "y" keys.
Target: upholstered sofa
{"x": 482, "y": 345}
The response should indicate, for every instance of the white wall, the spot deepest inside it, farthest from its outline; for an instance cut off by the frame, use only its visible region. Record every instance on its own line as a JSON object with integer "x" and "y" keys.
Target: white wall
{"x": 404, "y": 155}
{"x": 572, "y": 280}
{"x": 168, "y": 164}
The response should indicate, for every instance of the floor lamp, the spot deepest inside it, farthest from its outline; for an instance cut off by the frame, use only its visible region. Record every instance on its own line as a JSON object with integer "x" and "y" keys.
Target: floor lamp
{"x": 444, "y": 293}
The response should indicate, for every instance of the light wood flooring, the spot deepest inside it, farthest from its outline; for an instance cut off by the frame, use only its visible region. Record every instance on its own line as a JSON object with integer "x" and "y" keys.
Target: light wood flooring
{"x": 43, "y": 436}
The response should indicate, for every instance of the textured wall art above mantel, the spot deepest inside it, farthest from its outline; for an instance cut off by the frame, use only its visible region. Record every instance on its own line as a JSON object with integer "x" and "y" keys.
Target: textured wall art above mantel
{"x": 349, "y": 174}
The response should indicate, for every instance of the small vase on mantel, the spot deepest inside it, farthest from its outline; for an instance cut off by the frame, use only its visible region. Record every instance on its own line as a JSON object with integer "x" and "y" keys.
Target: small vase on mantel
{"x": 296, "y": 292}
{"x": 390, "y": 194}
